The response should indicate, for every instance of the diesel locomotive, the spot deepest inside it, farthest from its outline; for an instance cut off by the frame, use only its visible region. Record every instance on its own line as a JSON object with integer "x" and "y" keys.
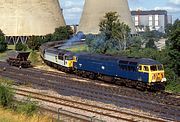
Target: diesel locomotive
{"x": 133, "y": 72}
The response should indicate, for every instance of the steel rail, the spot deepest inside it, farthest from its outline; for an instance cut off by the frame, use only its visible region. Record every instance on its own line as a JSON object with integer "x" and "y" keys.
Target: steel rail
{"x": 47, "y": 98}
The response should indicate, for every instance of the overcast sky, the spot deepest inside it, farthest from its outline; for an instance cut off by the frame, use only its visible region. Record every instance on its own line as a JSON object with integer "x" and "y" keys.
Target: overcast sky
{"x": 73, "y": 8}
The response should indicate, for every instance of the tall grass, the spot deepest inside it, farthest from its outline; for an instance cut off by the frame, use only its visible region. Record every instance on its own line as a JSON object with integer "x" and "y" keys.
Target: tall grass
{"x": 5, "y": 81}
{"x": 28, "y": 107}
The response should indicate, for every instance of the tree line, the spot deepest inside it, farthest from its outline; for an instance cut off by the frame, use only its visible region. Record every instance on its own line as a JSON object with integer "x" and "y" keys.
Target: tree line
{"x": 34, "y": 42}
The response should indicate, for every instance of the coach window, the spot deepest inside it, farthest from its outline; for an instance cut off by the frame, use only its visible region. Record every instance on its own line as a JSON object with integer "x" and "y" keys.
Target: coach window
{"x": 146, "y": 68}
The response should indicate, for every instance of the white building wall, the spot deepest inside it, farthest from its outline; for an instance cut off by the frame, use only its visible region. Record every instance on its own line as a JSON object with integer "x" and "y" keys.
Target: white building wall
{"x": 155, "y": 22}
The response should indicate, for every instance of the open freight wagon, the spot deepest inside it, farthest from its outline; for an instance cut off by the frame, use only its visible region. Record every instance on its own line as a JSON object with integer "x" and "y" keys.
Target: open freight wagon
{"x": 19, "y": 59}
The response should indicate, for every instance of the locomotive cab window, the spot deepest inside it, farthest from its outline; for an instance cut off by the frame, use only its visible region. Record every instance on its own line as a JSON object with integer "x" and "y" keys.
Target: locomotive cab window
{"x": 68, "y": 57}
{"x": 60, "y": 57}
{"x": 75, "y": 58}
{"x": 146, "y": 68}
{"x": 153, "y": 68}
{"x": 140, "y": 68}
{"x": 160, "y": 67}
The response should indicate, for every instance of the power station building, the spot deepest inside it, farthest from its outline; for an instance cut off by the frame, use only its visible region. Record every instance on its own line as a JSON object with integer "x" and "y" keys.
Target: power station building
{"x": 21, "y": 19}
{"x": 95, "y": 10}
{"x": 154, "y": 19}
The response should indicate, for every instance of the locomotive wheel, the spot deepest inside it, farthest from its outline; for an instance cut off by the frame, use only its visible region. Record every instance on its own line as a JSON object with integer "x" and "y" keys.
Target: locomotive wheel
{"x": 10, "y": 64}
{"x": 92, "y": 76}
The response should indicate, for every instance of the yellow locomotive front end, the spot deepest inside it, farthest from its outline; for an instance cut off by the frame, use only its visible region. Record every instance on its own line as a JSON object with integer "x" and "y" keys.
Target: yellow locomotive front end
{"x": 156, "y": 74}
{"x": 70, "y": 61}
{"x": 153, "y": 75}
{"x": 157, "y": 78}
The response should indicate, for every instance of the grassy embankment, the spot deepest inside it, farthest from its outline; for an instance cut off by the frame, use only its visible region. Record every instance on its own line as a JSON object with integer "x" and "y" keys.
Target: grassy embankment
{"x": 174, "y": 86}
{"x": 3, "y": 55}
{"x": 13, "y": 111}
{"x": 34, "y": 56}
{"x": 78, "y": 48}
{"x": 7, "y": 115}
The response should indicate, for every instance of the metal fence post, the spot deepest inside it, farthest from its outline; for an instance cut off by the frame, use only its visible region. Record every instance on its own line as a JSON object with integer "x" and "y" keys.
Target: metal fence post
{"x": 59, "y": 109}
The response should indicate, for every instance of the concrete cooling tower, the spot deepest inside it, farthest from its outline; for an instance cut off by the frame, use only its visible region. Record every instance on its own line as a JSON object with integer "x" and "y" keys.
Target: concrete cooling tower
{"x": 94, "y": 12}
{"x": 24, "y": 18}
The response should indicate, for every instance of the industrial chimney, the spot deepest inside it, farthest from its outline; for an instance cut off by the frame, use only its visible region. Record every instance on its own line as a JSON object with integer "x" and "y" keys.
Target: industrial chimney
{"x": 24, "y": 18}
{"x": 95, "y": 10}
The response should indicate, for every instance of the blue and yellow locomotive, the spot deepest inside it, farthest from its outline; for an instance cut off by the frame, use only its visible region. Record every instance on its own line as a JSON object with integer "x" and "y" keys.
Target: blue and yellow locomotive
{"x": 137, "y": 72}
{"x": 140, "y": 72}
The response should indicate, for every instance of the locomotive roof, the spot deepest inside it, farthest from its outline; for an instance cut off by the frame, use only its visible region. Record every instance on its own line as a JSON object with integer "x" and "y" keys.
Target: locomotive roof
{"x": 145, "y": 61}
{"x": 57, "y": 51}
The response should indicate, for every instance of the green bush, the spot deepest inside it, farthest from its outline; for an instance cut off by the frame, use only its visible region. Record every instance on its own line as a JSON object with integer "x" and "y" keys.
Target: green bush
{"x": 28, "y": 107}
{"x": 3, "y": 44}
{"x": 61, "y": 33}
{"x": 6, "y": 95}
{"x": 20, "y": 47}
{"x": 151, "y": 44}
{"x": 34, "y": 42}
{"x": 174, "y": 85}
{"x": 35, "y": 58}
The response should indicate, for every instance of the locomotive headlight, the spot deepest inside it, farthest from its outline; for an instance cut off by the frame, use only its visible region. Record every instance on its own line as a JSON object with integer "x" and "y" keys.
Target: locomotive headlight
{"x": 103, "y": 67}
{"x": 164, "y": 80}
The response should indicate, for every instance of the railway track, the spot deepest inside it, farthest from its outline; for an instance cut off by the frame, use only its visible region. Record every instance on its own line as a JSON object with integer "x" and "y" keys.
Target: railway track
{"x": 162, "y": 110}
{"x": 112, "y": 88}
{"x": 164, "y": 98}
{"x": 130, "y": 117}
